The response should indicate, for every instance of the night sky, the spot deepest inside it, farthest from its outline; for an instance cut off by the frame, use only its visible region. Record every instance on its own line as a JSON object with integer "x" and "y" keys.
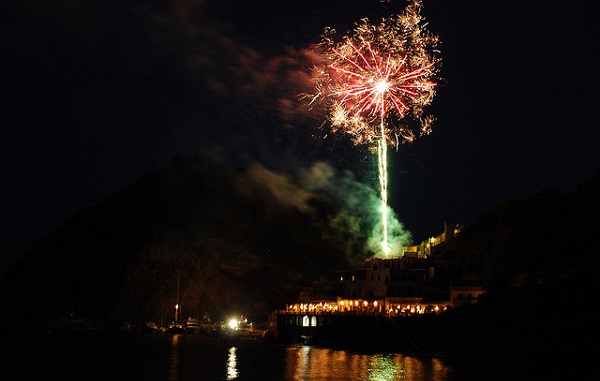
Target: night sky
{"x": 103, "y": 92}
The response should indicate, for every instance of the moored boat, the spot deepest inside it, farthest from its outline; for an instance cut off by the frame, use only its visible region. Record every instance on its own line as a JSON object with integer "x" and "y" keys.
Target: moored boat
{"x": 193, "y": 326}
{"x": 176, "y": 327}
{"x": 151, "y": 327}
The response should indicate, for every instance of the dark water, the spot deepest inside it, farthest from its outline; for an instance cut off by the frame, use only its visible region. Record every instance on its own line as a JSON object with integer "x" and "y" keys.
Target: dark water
{"x": 166, "y": 357}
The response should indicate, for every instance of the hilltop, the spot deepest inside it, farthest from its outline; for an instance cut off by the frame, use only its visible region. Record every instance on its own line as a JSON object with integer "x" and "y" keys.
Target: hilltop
{"x": 240, "y": 241}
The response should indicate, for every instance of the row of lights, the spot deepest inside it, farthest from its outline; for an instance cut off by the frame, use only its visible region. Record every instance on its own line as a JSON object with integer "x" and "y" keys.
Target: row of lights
{"x": 354, "y": 305}
{"x": 415, "y": 309}
{"x": 331, "y": 307}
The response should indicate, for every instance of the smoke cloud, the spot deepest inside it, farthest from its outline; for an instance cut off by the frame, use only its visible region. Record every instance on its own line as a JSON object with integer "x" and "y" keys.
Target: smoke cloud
{"x": 361, "y": 215}
{"x": 284, "y": 192}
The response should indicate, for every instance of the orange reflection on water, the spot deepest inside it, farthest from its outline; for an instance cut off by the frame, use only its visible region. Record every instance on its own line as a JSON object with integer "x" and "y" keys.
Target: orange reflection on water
{"x": 309, "y": 363}
{"x": 174, "y": 359}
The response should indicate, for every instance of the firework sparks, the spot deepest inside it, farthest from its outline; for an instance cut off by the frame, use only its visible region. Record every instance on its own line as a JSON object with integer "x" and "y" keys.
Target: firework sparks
{"x": 379, "y": 72}
{"x": 376, "y": 81}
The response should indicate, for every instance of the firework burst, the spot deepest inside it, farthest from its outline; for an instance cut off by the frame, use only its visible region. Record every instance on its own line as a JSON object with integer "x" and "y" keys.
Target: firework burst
{"x": 379, "y": 73}
{"x": 376, "y": 82}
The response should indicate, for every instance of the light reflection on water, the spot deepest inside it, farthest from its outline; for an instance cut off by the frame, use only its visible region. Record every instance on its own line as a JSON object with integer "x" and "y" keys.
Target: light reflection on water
{"x": 232, "y": 372}
{"x": 309, "y": 363}
{"x": 182, "y": 357}
{"x": 174, "y": 359}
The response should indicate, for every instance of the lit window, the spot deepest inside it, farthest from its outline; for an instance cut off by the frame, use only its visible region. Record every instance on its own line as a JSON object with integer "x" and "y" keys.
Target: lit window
{"x": 305, "y": 321}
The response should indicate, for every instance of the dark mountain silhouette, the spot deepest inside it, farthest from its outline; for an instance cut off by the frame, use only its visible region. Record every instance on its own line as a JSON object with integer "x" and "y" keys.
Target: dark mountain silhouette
{"x": 550, "y": 232}
{"x": 543, "y": 253}
{"x": 241, "y": 241}
{"x": 245, "y": 241}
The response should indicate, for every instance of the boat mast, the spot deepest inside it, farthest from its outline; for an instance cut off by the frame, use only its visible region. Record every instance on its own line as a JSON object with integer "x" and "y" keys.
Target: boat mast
{"x": 177, "y": 305}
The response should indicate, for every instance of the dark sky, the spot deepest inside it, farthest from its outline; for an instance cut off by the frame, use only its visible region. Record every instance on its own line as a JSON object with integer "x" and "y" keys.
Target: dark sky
{"x": 103, "y": 92}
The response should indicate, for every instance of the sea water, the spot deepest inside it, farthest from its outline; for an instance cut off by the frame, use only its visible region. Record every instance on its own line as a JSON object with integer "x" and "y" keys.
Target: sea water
{"x": 183, "y": 357}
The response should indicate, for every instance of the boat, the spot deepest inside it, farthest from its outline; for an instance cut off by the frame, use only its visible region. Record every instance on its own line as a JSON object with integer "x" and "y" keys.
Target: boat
{"x": 176, "y": 327}
{"x": 193, "y": 326}
{"x": 151, "y": 327}
{"x": 207, "y": 326}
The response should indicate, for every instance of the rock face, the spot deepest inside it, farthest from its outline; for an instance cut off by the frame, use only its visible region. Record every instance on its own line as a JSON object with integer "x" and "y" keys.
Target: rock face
{"x": 240, "y": 242}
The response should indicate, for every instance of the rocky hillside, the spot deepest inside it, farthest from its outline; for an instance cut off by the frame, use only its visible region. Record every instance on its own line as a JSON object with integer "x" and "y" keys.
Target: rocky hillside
{"x": 546, "y": 248}
{"x": 552, "y": 232}
{"x": 240, "y": 241}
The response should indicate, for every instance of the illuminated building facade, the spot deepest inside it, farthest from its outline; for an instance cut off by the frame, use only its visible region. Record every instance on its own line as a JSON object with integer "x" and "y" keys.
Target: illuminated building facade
{"x": 414, "y": 283}
{"x": 366, "y": 297}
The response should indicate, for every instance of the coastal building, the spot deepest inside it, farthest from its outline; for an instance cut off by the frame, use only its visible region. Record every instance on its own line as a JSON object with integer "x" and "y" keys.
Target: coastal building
{"x": 413, "y": 283}
{"x": 372, "y": 295}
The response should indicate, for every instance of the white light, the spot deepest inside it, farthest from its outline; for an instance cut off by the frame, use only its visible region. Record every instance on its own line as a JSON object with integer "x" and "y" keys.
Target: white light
{"x": 381, "y": 86}
{"x": 232, "y": 372}
{"x": 233, "y": 323}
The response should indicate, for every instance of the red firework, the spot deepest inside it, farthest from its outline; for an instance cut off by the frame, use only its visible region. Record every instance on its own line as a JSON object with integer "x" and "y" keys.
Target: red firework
{"x": 380, "y": 73}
